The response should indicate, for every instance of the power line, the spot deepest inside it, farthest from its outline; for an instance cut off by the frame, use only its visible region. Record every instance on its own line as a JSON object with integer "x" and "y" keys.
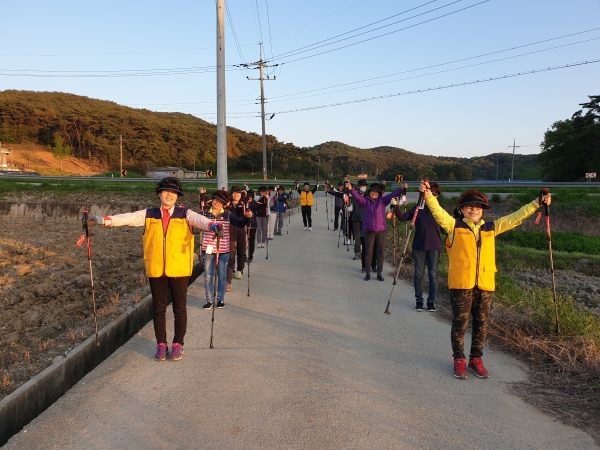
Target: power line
{"x": 366, "y": 26}
{"x": 259, "y": 24}
{"x": 269, "y": 27}
{"x": 448, "y": 86}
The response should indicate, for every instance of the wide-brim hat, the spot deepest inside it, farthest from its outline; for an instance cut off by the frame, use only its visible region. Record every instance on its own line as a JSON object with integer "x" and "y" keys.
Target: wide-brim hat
{"x": 474, "y": 201}
{"x": 376, "y": 187}
{"x": 222, "y": 196}
{"x": 170, "y": 184}
{"x": 362, "y": 182}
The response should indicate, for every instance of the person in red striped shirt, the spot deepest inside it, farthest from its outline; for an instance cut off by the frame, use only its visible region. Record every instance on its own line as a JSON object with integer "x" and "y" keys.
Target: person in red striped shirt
{"x": 224, "y": 218}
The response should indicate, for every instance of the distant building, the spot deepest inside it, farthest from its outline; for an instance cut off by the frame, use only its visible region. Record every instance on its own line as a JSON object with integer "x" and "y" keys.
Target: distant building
{"x": 4, "y": 152}
{"x": 179, "y": 172}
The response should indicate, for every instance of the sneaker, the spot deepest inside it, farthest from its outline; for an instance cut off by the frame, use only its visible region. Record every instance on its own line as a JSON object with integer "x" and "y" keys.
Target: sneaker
{"x": 207, "y": 305}
{"x": 419, "y": 307}
{"x": 176, "y": 352}
{"x": 262, "y": 245}
{"x": 356, "y": 256}
{"x": 367, "y": 277}
{"x": 373, "y": 269}
{"x": 270, "y": 238}
{"x": 476, "y": 366}
{"x": 161, "y": 352}
{"x": 309, "y": 228}
{"x": 220, "y": 305}
{"x": 239, "y": 274}
{"x": 227, "y": 289}
{"x": 363, "y": 270}
{"x": 431, "y": 307}
{"x": 379, "y": 277}
{"x": 460, "y": 368}
{"x": 249, "y": 260}
{"x": 305, "y": 228}
{"x": 335, "y": 229}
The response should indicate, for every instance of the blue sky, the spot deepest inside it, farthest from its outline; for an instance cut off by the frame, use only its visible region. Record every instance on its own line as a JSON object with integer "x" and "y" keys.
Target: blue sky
{"x": 92, "y": 38}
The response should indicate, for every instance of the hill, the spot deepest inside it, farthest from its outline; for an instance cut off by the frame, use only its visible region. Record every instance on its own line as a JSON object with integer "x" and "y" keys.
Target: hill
{"x": 92, "y": 128}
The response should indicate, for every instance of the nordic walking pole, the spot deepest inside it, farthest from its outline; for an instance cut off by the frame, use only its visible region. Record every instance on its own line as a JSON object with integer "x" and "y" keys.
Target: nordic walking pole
{"x": 395, "y": 233}
{"x": 267, "y": 239}
{"x": 549, "y": 234}
{"x": 89, "y": 252}
{"x": 248, "y": 249}
{"x": 287, "y": 227}
{"x": 215, "y": 279}
{"x": 326, "y": 208}
{"x": 347, "y": 229}
{"x": 412, "y": 226}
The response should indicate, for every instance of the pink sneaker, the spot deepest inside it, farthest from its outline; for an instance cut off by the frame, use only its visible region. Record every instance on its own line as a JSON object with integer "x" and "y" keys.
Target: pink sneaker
{"x": 176, "y": 352}
{"x": 161, "y": 352}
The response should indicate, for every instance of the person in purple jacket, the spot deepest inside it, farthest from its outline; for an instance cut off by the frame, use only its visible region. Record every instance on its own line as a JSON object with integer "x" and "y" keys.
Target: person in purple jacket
{"x": 426, "y": 249}
{"x": 374, "y": 222}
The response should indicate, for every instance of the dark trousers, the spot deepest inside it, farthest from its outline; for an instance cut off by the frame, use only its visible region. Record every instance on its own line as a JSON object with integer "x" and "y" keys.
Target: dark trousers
{"x": 160, "y": 288}
{"x": 476, "y": 303}
{"x": 251, "y": 243}
{"x": 306, "y": 216}
{"x": 237, "y": 246}
{"x": 363, "y": 254}
{"x": 336, "y": 220}
{"x": 355, "y": 234}
{"x": 375, "y": 243}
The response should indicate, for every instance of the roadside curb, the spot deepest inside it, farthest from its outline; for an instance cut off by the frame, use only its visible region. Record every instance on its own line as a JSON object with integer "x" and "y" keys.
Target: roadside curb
{"x": 31, "y": 399}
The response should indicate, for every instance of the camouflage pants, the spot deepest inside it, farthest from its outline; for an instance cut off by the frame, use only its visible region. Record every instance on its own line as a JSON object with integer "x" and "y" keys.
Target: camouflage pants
{"x": 467, "y": 302}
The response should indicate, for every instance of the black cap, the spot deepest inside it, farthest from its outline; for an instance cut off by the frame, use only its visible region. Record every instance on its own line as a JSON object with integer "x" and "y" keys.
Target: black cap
{"x": 262, "y": 189}
{"x": 376, "y": 187}
{"x": 362, "y": 182}
{"x": 250, "y": 193}
{"x": 474, "y": 201}
{"x": 306, "y": 183}
{"x": 170, "y": 184}
{"x": 280, "y": 188}
{"x": 221, "y": 195}
{"x": 271, "y": 188}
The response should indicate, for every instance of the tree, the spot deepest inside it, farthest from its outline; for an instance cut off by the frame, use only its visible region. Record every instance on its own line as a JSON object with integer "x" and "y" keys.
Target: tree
{"x": 59, "y": 150}
{"x": 572, "y": 147}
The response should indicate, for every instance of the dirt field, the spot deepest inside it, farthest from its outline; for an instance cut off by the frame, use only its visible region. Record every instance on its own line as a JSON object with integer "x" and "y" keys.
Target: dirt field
{"x": 45, "y": 290}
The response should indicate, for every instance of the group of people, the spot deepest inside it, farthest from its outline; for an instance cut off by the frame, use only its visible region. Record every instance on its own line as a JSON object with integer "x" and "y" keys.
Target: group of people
{"x": 237, "y": 221}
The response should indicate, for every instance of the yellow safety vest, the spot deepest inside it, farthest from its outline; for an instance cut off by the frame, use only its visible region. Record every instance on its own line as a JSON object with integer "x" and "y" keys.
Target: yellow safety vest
{"x": 471, "y": 262}
{"x": 306, "y": 198}
{"x": 171, "y": 254}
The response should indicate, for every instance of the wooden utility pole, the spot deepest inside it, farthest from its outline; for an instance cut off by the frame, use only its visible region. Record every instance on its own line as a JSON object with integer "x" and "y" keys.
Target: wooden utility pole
{"x": 512, "y": 170}
{"x": 261, "y": 65}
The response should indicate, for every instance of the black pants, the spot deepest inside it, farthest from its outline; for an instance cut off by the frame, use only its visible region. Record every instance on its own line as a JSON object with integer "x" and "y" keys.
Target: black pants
{"x": 306, "y": 216}
{"x": 336, "y": 220}
{"x": 237, "y": 246}
{"x": 363, "y": 255}
{"x": 160, "y": 288}
{"x": 375, "y": 243}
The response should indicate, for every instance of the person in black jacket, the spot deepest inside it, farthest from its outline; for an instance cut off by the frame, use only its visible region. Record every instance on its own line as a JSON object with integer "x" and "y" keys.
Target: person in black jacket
{"x": 426, "y": 248}
{"x": 237, "y": 237}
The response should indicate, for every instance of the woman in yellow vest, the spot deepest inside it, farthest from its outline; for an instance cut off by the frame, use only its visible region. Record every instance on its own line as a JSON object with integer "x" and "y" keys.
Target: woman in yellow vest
{"x": 306, "y": 202}
{"x": 168, "y": 257}
{"x": 472, "y": 268}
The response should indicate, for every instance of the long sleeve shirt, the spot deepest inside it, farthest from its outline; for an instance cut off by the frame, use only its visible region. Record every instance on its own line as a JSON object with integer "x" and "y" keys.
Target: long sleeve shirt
{"x": 427, "y": 230}
{"x": 374, "y": 210}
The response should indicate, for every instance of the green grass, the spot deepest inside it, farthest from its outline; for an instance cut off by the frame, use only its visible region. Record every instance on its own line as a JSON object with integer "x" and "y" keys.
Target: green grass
{"x": 561, "y": 241}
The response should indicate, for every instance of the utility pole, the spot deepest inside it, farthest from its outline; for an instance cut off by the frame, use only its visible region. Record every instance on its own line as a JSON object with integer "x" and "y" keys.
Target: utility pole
{"x": 261, "y": 65}
{"x": 512, "y": 170}
{"x": 221, "y": 107}
{"x": 121, "y": 150}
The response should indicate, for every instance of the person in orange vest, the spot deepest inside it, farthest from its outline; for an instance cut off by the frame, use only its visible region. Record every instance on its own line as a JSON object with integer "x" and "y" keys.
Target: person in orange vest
{"x": 306, "y": 202}
{"x": 168, "y": 258}
{"x": 471, "y": 250}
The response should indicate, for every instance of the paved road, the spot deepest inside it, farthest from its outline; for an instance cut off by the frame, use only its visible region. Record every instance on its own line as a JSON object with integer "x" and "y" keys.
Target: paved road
{"x": 309, "y": 361}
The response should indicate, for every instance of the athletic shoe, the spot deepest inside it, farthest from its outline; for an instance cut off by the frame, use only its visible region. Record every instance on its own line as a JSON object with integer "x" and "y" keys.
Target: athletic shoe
{"x": 227, "y": 289}
{"x": 379, "y": 277}
{"x": 476, "y": 366}
{"x": 161, "y": 352}
{"x": 419, "y": 307}
{"x": 270, "y": 238}
{"x": 335, "y": 229}
{"x": 305, "y": 228}
{"x": 176, "y": 352}
{"x": 309, "y": 228}
{"x": 220, "y": 305}
{"x": 373, "y": 269}
{"x": 356, "y": 256}
{"x": 460, "y": 368}
{"x": 431, "y": 307}
{"x": 367, "y": 277}
{"x": 363, "y": 270}
{"x": 239, "y": 274}
{"x": 207, "y": 305}
{"x": 262, "y": 245}
{"x": 249, "y": 260}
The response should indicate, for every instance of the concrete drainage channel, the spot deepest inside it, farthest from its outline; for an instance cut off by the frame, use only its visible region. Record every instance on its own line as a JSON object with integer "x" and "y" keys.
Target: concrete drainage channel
{"x": 26, "y": 403}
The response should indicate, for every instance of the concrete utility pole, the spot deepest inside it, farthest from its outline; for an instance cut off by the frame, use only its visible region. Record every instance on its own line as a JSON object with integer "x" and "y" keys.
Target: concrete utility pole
{"x": 261, "y": 65}
{"x": 512, "y": 170}
{"x": 221, "y": 107}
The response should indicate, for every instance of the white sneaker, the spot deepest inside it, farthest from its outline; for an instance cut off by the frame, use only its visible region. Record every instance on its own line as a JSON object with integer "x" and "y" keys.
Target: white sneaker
{"x": 309, "y": 228}
{"x": 305, "y": 228}
{"x": 238, "y": 275}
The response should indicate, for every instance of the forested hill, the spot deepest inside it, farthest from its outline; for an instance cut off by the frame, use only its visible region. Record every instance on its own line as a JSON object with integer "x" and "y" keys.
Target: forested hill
{"x": 92, "y": 127}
